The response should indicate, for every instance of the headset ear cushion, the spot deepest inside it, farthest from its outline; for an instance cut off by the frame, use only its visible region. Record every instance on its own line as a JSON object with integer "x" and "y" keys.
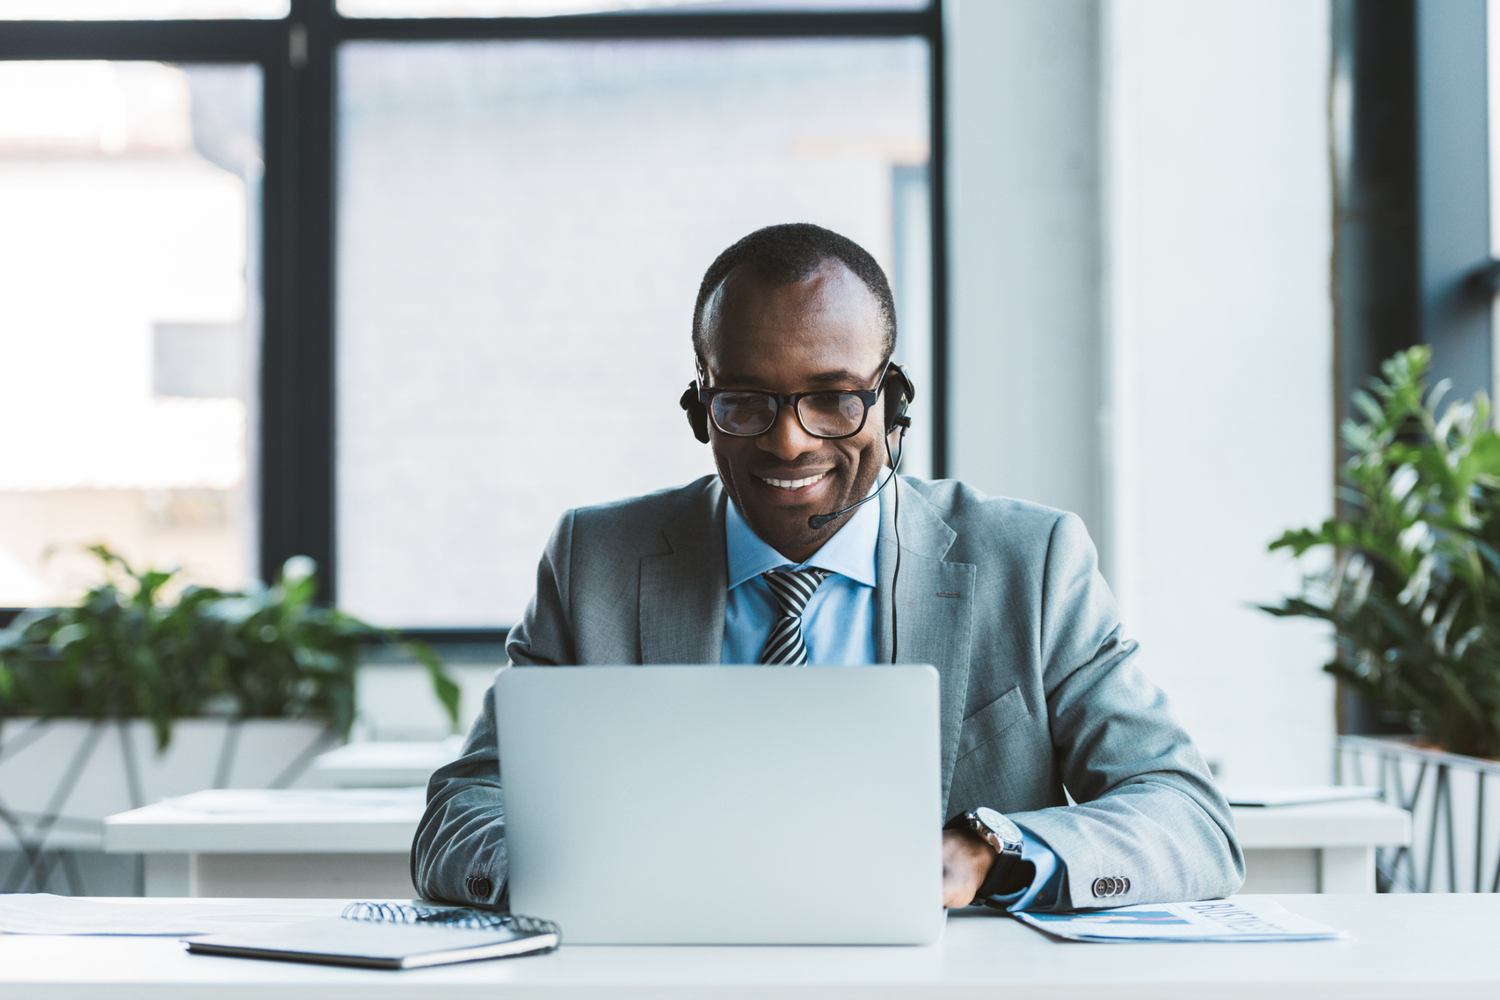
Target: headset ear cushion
{"x": 898, "y": 395}
{"x": 697, "y": 413}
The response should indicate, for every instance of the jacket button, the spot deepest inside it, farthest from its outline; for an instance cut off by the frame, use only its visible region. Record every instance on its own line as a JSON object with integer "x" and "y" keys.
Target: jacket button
{"x": 479, "y": 887}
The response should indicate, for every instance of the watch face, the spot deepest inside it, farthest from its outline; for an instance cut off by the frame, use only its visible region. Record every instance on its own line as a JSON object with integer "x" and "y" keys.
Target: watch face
{"x": 1000, "y": 824}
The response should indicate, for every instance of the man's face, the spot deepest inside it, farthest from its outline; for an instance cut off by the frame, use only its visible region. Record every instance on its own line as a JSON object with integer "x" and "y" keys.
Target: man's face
{"x": 822, "y": 333}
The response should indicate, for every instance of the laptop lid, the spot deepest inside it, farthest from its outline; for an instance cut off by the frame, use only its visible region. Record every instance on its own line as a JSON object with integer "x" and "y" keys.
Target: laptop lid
{"x": 724, "y": 804}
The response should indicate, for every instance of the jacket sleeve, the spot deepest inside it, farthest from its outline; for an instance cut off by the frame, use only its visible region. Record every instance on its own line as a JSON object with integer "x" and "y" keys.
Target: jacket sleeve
{"x": 458, "y": 854}
{"x": 1147, "y": 809}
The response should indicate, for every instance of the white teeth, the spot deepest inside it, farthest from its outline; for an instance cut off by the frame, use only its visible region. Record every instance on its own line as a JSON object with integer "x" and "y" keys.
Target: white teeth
{"x": 793, "y": 484}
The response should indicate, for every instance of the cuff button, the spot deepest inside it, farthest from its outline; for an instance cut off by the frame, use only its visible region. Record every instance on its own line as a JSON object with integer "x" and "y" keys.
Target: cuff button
{"x": 1111, "y": 885}
{"x": 479, "y": 887}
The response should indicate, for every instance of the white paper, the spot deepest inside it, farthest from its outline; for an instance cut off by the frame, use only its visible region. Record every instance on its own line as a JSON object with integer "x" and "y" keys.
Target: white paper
{"x": 300, "y": 801}
{"x": 1233, "y": 919}
{"x": 44, "y": 913}
{"x": 1294, "y": 795}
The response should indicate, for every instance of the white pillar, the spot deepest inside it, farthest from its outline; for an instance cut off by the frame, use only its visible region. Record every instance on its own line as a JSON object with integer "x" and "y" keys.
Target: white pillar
{"x": 1220, "y": 344}
{"x": 1024, "y": 251}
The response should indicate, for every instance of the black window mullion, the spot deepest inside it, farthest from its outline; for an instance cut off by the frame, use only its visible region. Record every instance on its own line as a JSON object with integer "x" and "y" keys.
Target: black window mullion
{"x": 937, "y": 161}
{"x": 646, "y": 26}
{"x": 297, "y": 365}
{"x": 166, "y": 41}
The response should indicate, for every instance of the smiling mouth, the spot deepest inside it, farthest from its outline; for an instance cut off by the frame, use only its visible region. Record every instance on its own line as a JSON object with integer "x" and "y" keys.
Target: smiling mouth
{"x": 793, "y": 484}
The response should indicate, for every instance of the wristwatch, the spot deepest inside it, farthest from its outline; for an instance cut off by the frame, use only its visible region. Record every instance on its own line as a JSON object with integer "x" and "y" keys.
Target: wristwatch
{"x": 1004, "y": 836}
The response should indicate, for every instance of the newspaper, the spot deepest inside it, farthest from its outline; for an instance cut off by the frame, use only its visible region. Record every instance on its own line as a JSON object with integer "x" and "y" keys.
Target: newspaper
{"x": 1233, "y": 919}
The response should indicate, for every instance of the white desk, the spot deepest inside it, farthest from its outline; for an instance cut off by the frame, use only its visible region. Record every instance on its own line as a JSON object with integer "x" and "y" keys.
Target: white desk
{"x": 1404, "y": 946}
{"x": 304, "y": 844}
{"x": 290, "y": 843}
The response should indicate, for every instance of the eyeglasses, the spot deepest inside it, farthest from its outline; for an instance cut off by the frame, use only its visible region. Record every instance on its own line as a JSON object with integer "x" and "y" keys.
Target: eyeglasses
{"x": 825, "y": 413}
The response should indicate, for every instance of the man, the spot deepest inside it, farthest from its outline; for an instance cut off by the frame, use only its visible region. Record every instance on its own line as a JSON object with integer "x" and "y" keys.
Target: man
{"x": 793, "y": 335}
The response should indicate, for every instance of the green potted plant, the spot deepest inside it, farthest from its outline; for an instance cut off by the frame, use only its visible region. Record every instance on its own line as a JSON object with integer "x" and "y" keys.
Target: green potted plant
{"x": 1413, "y": 585}
{"x": 125, "y": 651}
{"x": 233, "y": 688}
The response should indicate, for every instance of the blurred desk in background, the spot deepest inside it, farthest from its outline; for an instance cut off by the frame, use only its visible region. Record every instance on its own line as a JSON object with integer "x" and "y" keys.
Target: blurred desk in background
{"x": 306, "y": 843}
{"x": 293, "y": 843}
{"x": 403, "y": 764}
{"x": 1317, "y": 846}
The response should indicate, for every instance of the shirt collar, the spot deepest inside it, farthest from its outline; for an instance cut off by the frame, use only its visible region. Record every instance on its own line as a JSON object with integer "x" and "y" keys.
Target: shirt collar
{"x": 850, "y": 552}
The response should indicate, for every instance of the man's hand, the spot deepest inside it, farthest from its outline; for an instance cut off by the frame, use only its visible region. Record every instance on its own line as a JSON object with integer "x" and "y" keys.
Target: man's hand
{"x": 966, "y": 864}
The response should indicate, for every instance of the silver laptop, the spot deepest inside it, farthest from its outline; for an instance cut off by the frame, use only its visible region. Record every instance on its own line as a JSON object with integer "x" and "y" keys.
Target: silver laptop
{"x": 724, "y": 805}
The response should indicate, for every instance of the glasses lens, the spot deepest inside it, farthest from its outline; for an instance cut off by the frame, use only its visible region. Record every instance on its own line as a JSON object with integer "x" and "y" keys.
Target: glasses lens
{"x": 744, "y": 414}
{"x": 831, "y": 414}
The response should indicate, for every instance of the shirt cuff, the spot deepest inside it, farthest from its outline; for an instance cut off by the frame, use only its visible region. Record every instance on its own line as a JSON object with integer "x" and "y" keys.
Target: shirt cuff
{"x": 1041, "y": 894}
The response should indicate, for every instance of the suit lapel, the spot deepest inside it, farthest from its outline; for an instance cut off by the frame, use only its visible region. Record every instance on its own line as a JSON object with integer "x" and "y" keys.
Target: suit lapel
{"x": 934, "y": 607}
{"x": 683, "y": 592}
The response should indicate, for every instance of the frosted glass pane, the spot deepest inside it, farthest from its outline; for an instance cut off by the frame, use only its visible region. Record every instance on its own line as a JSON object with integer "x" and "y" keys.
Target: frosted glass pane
{"x": 547, "y": 8}
{"x": 137, "y": 10}
{"x": 524, "y": 223}
{"x": 129, "y": 320}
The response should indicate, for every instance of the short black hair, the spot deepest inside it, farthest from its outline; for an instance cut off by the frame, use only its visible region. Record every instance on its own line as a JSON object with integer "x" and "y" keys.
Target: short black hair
{"x": 791, "y": 252}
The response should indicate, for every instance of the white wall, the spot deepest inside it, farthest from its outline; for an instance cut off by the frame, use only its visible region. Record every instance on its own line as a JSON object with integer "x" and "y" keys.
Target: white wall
{"x": 1146, "y": 338}
{"x": 394, "y": 699}
{"x": 1221, "y": 343}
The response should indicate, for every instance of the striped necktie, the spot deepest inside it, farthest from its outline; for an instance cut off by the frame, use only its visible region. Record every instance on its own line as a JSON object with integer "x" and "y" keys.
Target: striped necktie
{"x": 792, "y": 589}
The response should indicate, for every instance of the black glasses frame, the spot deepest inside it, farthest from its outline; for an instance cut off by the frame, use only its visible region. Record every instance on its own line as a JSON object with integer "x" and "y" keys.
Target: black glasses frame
{"x": 865, "y": 396}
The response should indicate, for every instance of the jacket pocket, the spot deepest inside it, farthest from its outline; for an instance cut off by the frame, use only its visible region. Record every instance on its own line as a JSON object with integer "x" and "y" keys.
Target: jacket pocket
{"x": 992, "y": 720}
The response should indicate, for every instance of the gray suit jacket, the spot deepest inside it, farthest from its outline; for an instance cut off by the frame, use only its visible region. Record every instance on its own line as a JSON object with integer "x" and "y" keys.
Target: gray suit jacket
{"x": 1038, "y": 690}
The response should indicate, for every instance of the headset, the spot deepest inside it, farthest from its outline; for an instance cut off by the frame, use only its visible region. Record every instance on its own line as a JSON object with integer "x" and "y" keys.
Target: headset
{"x": 896, "y": 403}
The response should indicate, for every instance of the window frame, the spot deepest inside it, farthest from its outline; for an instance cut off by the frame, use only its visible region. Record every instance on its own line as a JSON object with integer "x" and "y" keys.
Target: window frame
{"x": 297, "y": 56}
{"x": 1411, "y": 261}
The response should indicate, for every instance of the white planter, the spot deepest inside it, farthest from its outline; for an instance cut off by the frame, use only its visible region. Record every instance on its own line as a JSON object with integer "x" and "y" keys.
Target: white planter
{"x": 59, "y": 778}
{"x": 1454, "y": 803}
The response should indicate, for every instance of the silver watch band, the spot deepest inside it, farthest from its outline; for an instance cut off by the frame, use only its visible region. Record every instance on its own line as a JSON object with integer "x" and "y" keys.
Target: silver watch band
{"x": 1005, "y": 837}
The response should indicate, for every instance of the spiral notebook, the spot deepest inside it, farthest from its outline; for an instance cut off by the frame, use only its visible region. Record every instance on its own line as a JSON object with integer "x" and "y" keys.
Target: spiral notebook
{"x": 391, "y": 936}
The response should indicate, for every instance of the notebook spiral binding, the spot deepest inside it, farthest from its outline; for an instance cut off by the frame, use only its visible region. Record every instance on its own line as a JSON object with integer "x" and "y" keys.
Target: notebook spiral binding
{"x": 451, "y": 916}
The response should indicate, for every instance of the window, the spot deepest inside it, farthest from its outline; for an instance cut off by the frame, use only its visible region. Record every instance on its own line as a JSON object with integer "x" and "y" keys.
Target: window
{"x": 129, "y": 302}
{"x": 386, "y": 360}
{"x": 522, "y": 227}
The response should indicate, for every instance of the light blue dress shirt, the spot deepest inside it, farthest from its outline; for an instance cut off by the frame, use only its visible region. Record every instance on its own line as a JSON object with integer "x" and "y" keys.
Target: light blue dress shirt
{"x": 838, "y": 627}
{"x": 838, "y": 624}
